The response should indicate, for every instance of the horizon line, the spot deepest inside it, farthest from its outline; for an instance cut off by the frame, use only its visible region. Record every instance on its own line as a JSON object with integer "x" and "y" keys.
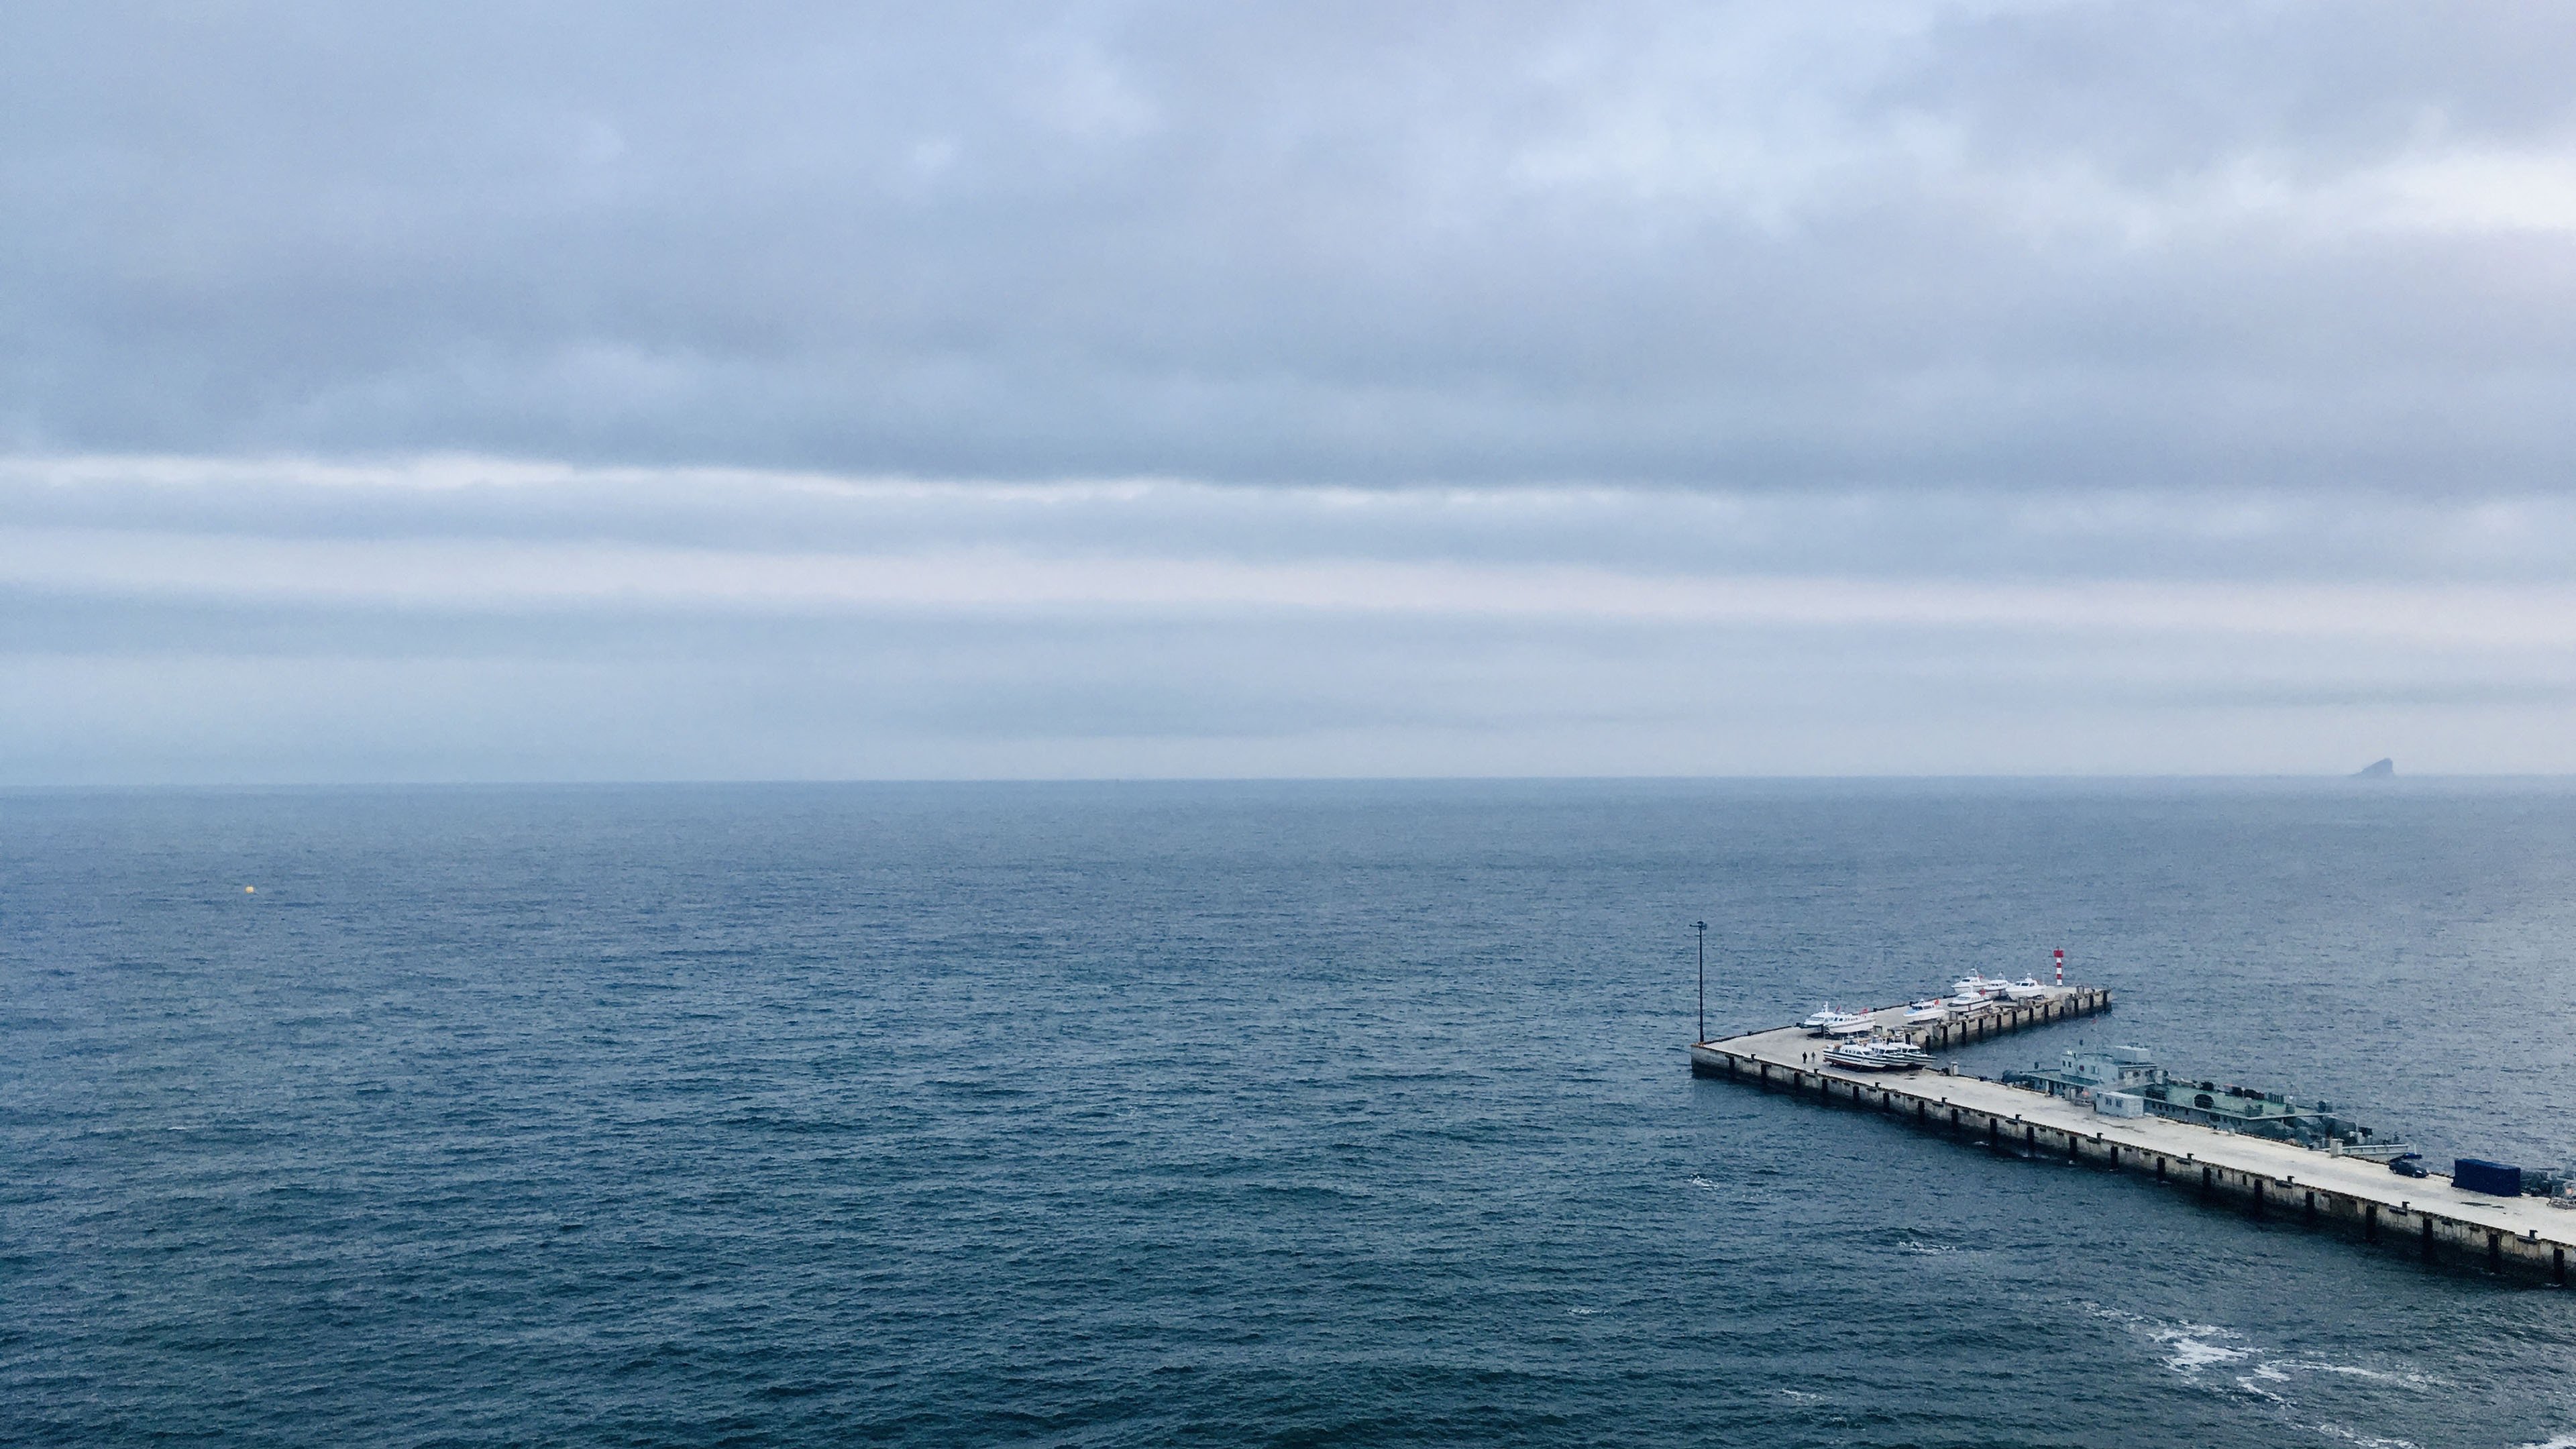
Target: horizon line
{"x": 780, "y": 782}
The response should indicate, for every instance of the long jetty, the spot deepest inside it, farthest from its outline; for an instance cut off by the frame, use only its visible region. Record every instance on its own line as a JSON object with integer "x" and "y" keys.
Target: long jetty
{"x": 2263, "y": 1177}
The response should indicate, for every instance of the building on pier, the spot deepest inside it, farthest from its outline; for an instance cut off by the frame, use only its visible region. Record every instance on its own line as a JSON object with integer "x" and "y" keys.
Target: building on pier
{"x": 2128, "y": 1071}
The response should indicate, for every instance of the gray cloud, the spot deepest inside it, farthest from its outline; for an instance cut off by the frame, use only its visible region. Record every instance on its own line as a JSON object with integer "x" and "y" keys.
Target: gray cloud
{"x": 1747, "y": 247}
{"x": 603, "y": 391}
{"x": 2245, "y": 534}
{"x": 172, "y": 619}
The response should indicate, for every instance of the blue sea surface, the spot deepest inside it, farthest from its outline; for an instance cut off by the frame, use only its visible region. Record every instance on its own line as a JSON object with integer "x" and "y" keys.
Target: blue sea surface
{"x": 1202, "y": 1114}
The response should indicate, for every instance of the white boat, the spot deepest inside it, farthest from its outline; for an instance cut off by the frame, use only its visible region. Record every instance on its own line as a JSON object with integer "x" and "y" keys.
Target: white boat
{"x": 1980, "y": 986}
{"x": 2026, "y": 989}
{"x": 1829, "y": 1022}
{"x": 1966, "y": 1001}
{"x": 1928, "y": 1009}
{"x": 1879, "y": 1056}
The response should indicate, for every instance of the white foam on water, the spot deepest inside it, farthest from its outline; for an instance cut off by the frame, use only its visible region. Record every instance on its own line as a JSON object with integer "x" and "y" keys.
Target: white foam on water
{"x": 2368, "y": 1441}
{"x": 2383, "y": 1376}
{"x": 2245, "y": 1385}
{"x": 2192, "y": 1347}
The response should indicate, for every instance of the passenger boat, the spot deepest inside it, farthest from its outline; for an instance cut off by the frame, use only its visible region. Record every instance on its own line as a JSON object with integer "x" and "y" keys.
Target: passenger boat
{"x": 2026, "y": 989}
{"x": 1879, "y": 1056}
{"x": 1929, "y": 1009}
{"x": 1830, "y": 1022}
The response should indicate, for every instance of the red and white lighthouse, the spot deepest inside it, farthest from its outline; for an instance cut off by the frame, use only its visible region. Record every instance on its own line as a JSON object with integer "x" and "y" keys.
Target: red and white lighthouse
{"x": 2061, "y": 965}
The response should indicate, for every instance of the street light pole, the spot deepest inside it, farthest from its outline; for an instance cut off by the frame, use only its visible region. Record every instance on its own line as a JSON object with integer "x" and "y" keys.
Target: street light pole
{"x": 1702, "y": 928}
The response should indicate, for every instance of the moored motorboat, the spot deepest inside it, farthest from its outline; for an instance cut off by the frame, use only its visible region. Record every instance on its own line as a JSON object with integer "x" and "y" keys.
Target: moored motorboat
{"x": 1928, "y": 1009}
{"x": 1880, "y": 1055}
{"x": 2026, "y": 989}
{"x": 1830, "y": 1022}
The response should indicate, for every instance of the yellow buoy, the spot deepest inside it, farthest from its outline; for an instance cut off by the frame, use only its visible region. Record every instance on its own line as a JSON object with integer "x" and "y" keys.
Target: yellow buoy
{"x": 250, "y": 890}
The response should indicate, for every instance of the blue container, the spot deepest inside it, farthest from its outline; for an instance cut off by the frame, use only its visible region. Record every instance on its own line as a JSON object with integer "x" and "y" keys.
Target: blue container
{"x": 2478, "y": 1175}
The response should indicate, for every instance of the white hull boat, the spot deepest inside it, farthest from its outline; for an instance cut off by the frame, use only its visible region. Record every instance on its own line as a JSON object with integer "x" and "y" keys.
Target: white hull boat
{"x": 1879, "y": 1056}
{"x": 1830, "y": 1022}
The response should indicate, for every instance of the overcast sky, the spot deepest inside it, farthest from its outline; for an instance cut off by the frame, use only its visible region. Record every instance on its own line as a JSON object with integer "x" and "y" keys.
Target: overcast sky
{"x": 785, "y": 391}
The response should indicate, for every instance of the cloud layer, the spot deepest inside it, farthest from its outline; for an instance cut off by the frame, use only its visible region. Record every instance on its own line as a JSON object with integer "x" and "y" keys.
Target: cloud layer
{"x": 781, "y": 389}
{"x": 449, "y": 618}
{"x": 1881, "y": 245}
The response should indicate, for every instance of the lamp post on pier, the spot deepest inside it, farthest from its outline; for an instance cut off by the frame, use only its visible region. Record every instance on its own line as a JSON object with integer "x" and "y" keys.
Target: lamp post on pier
{"x": 1702, "y": 928}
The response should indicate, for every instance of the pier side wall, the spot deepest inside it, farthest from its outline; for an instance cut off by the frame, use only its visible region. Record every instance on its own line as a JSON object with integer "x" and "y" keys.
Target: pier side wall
{"x": 2004, "y": 1017}
{"x": 2402, "y": 1226}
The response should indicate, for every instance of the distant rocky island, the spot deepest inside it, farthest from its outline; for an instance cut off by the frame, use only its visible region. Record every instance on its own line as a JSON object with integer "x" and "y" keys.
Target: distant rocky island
{"x": 2376, "y": 769}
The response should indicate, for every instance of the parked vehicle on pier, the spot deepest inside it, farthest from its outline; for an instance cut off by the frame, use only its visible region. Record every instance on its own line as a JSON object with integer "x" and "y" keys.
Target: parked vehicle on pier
{"x": 2476, "y": 1174}
{"x": 2409, "y": 1164}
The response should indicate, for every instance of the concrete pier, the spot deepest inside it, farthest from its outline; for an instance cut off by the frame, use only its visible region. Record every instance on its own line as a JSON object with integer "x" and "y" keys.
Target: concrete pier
{"x": 2266, "y": 1179}
{"x": 2061, "y": 1003}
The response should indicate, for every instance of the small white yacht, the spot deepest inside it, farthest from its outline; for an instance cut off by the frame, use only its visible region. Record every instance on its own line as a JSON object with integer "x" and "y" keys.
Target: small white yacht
{"x": 1931, "y": 1008}
{"x": 1824, "y": 1014}
{"x": 1846, "y": 1023}
{"x": 2026, "y": 989}
{"x": 1980, "y": 986}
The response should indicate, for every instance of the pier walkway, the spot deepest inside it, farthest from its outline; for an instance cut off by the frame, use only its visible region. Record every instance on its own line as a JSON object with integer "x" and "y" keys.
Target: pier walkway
{"x": 2266, "y": 1178}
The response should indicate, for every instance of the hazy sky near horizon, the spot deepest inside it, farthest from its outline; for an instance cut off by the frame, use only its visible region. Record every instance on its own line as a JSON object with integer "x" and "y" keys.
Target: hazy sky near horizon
{"x": 782, "y": 390}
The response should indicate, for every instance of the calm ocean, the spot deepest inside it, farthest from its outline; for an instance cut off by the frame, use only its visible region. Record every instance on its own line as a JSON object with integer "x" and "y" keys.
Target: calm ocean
{"x": 1229, "y": 1114}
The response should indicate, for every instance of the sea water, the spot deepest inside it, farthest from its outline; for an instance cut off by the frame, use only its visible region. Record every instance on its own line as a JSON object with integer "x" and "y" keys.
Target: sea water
{"x": 1230, "y": 1114}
